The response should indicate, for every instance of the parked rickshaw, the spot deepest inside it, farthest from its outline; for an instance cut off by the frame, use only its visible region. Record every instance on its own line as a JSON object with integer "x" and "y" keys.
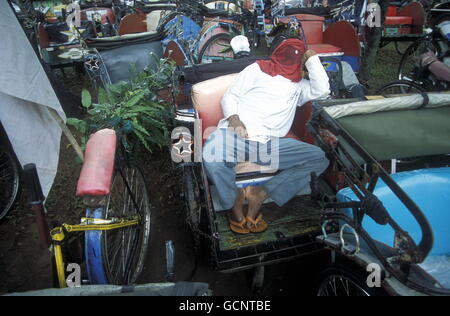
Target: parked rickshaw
{"x": 436, "y": 42}
{"x": 204, "y": 32}
{"x": 293, "y": 228}
{"x": 328, "y": 36}
{"x": 404, "y": 24}
{"x": 108, "y": 60}
{"x": 61, "y": 45}
{"x": 393, "y": 157}
{"x": 348, "y": 210}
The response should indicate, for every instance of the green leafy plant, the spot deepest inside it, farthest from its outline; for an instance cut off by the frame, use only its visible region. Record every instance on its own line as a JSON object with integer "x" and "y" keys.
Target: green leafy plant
{"x": 135, "y": 109}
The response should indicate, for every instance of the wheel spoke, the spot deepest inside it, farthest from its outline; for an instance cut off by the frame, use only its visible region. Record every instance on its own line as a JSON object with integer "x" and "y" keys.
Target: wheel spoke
{"x": 125, "y": 248}
{"x": 9, "y": 181}
{"x": 340, "y": 285}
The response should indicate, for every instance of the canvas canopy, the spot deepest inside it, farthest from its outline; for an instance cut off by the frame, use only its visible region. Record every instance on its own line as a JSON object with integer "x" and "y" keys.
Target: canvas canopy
{"x": 398, "y": 127}
{"x": 26, "y": 97}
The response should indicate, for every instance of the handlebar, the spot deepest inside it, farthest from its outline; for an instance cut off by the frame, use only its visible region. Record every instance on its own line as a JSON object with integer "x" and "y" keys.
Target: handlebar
{"x": 36, "y": 200}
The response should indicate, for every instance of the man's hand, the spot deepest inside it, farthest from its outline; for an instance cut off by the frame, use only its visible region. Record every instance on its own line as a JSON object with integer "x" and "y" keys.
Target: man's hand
{"x": 239, "y": 127}
{"x": 308, "y": 54}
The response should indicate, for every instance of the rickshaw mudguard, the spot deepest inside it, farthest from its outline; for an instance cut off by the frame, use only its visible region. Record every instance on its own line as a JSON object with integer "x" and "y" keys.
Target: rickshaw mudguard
{"x": 133, "y": 23}
{"x": 175, "y": 52}
{"x": 430, "y": 190}
{"x": 417, "y": 12}
{"x": 342, "y": 34}
{"x": 97, "y": 172}
{"x": 206, "y": 97}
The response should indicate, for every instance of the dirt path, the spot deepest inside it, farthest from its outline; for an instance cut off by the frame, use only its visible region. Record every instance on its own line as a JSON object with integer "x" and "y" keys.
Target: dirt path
{"x": 26, "y": 266}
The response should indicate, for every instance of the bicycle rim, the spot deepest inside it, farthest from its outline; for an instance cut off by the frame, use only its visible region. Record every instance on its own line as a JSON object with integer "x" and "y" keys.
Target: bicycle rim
{"x": 409, "y": 60}
{"x": 214, "y": 49}
{"x": 118, "y": 256}
{"x": 340, "y": 285}
{"x": 401, "y": 87}
{"x": 9, "y": 182}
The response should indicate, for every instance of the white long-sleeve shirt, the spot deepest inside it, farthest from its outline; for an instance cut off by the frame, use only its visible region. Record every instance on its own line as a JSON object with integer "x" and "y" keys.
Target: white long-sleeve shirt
{"x": 267, "y": 105}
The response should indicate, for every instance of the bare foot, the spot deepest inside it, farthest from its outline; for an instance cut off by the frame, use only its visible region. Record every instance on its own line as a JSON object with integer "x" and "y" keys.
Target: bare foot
{"x": 238, "y": 208}
{"x": 256, "y": 197}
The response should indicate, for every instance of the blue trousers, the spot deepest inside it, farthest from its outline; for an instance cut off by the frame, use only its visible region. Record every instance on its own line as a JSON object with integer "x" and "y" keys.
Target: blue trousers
{"x": 296, "y": 160}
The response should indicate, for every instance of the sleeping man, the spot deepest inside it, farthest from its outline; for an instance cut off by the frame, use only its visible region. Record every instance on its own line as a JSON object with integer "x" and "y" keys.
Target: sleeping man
{"x": 259, "y": 110}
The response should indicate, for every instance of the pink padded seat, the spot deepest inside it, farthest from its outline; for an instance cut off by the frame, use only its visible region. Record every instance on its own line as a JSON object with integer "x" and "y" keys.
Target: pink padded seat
{"x": 322, "y": 49}
{"x": 206, "y": 97}
{"x": 97, "y": 172}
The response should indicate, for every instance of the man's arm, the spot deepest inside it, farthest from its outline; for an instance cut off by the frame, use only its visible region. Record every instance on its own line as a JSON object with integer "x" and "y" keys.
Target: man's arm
{"x": 318, "y": 85}
{"x": 230, "y": 100}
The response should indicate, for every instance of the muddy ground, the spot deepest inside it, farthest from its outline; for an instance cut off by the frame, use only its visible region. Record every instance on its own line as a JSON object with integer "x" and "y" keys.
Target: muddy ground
{"x": 25, "y": 266}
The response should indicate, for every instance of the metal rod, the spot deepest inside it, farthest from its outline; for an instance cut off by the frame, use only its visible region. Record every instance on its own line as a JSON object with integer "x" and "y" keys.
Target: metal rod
{"x": 66, "y": 131}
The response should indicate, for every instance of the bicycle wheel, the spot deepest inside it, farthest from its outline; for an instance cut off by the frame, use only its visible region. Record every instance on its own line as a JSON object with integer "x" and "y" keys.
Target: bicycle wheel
{"x": 118, "y": 256}
{"x": 217, "y": 48}
{"x": 409, "y": 60}
{"x": 400, "y": 87}
{"x": 9, "y": 181}
{"x": 341, "y": 282}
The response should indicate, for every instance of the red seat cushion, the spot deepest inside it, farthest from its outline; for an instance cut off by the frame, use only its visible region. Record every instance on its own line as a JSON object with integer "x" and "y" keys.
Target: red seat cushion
{"x": 97, "y": 172}
{"x": 399, "y": 20}
{"x": 325, "y": 48}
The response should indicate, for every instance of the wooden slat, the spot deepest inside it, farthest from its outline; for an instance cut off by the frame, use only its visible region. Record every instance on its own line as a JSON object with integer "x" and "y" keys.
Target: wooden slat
{"x": 299, "y": 217}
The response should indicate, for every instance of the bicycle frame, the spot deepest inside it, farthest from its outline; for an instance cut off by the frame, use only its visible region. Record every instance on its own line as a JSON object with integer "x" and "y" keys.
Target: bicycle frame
{"x": 58, "y": 235}
{"x": 362, "y": 182}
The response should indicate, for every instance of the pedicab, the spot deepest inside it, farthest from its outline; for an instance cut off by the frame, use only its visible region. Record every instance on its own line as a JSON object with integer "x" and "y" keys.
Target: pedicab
{"x": 292, "y": 228}
{"x": 404, "y": 24}
{"x": 59, "y": 46}
{"x": 204, "y": 34}
{"x": 391, "y": 178}
{"x": 108, "y": 60}
{"x": 329, "y": 38}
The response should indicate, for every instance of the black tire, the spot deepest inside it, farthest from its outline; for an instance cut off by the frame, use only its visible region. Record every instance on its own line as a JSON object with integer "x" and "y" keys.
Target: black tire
{"x": 192, "y": 197}
{"x": 400, "y": 87}
{"x": 398, "y": 50}
{"x": 121, "y": 205}
{"x": 221, "y": 37}
{"x": 410, "y": 57}
{"x": 440, "y": 19}
{"x": 166, "y": 19}
{"x": 337, "y": 280}
{"x": 9, "y": 180}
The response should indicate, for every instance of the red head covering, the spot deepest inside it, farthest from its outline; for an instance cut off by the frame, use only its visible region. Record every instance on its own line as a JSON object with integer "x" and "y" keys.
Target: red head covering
{"x": 286, "y": 60}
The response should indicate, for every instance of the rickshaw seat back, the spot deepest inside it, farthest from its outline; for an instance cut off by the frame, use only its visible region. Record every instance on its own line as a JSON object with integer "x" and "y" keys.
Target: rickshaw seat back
{"x": 97, "y": 172}
{"x": 42, "y": 36}
{"x": 206, "y": 97}
{"x": 133, "y": 23}
{"x": 313, "y": 26}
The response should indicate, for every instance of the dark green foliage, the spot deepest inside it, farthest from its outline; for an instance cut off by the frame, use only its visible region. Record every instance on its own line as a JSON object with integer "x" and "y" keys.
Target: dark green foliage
{"x": 134, "y": 109}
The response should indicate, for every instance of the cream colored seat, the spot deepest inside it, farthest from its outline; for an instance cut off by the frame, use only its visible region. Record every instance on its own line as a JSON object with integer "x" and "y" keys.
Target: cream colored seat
{"x": 206, "y": 97}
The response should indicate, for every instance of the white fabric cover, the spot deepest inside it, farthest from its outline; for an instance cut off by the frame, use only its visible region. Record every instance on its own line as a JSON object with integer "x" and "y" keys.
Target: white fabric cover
{"x": 240, "y": 44}
{"x": 410, "y": 102}
{"x": 25, "y": 96}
